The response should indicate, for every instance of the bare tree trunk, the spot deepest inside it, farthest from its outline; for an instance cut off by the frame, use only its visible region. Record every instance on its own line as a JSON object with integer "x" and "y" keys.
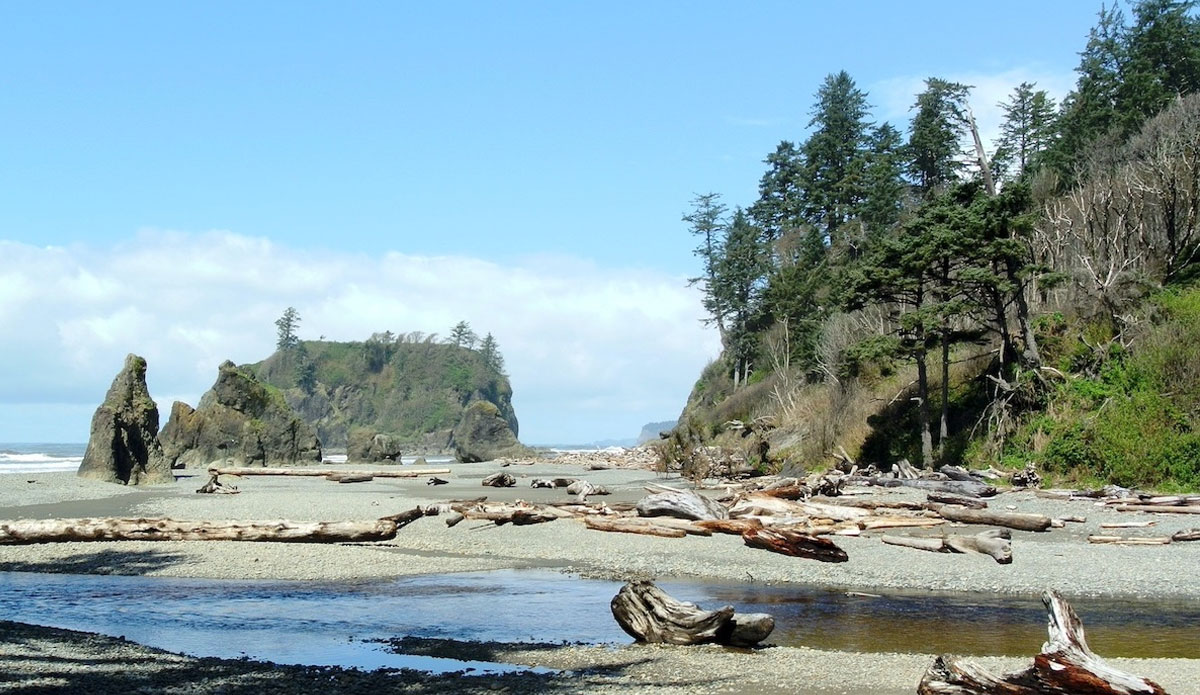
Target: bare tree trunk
{"x": 30, "y": 531}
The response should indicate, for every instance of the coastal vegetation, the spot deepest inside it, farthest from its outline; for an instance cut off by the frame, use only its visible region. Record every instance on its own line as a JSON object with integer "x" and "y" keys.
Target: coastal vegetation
{"x": 412, "y": 386}
{"x": 921, "y": 296}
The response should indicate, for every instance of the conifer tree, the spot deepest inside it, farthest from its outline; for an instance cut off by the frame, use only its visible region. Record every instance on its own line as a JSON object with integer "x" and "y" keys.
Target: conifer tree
{"x": 834, "y": 155}
{"x": 706, "y": 221}
{"x": 286, "y": 326}
{"x": 934, "y": 136}
{"x": 1027, "y": 131}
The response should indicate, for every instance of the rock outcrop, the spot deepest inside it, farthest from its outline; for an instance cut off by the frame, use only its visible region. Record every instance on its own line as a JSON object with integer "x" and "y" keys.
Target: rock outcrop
{"x": 240, "y": 421}
{"x": 369, "y": 446}
{"x": 483, "y": 434}
{"x": 123, "y": 446}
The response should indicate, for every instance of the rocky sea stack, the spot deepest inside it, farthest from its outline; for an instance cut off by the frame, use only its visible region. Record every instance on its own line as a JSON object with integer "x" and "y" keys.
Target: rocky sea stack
{"x": 123, "y": 446}
{"x": 483, "y": 434}
{"x": 241, "y": 421}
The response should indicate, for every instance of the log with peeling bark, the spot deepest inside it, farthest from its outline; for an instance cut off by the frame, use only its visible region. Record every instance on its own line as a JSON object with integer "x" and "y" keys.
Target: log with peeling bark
{"x": 734, "y": 527}
{"x": 795, "y": 544}
{"x": 317, "y": 472}
{"x": 870, "y": 503}
{"x": 499, "y": 480}
{"x": 29, "y": 531}
{"x": 1066, "y": 666}
{"x": 1014, "y": 520}
{"x": 993, "y": 543}
{"x": 649, "y": 614}
{"x": 682, "y": 504}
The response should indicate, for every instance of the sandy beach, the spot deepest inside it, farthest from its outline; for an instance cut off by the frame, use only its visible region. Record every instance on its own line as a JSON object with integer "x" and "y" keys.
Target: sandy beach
{"x": 1060, "y": 559}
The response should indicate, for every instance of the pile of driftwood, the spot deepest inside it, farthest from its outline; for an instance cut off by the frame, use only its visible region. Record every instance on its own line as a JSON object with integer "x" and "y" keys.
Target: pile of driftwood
{"x": 215, "y": 486}
{"x": 1066, "y": 666}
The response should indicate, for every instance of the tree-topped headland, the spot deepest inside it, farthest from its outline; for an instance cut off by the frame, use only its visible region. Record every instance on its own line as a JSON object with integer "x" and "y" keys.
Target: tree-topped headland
{"x": 920, "y": 295}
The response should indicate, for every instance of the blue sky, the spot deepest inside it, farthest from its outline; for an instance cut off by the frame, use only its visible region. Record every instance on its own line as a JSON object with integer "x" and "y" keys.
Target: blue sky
{"x": 175, "y": 174}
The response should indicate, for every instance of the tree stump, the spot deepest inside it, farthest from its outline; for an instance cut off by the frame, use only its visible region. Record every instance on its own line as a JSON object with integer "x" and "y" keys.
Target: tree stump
{"x": 649, "y": 614}
{"x": 1066, "y": 666}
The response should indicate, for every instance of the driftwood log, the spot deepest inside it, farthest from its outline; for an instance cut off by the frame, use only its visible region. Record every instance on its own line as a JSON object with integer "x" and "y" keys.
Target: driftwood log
{"x": 29, "y": 531}
{"x": 995, "y": 543}
{"x": 584, "y": 489}
{"x": 350, "y": 477}
{"x": 500, "y": 480}
{"x": 216, "y": 487}
{"x": 682, "y": 504}
{"x": 649, "y": 614}
{"x": 1013, "y": 520}
{"x": 1066, "y": 666}
{"x": 954, "y": 487}
{"x": 794, "y": 543}
{"x": 633, "y": 525}
{"x": 317, "y": 472}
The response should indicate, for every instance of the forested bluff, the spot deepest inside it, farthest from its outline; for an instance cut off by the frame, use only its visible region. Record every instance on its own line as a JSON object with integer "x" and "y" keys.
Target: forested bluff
{"x": 919, "y": 295}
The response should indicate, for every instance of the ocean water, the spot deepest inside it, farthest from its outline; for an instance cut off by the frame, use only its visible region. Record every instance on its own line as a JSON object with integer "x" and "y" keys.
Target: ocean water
{"x": 39, "y": 457}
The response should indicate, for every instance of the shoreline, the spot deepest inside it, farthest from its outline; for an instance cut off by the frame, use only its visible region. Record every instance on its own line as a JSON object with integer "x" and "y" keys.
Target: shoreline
{"x": 1060, "y": 559}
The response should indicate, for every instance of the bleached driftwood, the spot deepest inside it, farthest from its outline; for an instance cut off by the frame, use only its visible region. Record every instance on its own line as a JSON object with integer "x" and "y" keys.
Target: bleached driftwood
{"x": 29, "y": 531}
{"x": 317, "y": 472}
{"x": 682, "y": 504}
{"x": 995, "y": 543}
{"x": 584, "y": 489}
{"x": 649, "y": 614}
{"x": 632, "y": 525}
{"x": 1013, "y": 520}
{"x": 499, "y": 480}
{"x": 1066, "y": 666}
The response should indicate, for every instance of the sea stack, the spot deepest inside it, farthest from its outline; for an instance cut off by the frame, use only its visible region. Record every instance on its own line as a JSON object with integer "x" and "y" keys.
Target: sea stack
{"x": 240, "y": 421}
{"x": 483, "y": 435}
{"x": 123, "y": 446}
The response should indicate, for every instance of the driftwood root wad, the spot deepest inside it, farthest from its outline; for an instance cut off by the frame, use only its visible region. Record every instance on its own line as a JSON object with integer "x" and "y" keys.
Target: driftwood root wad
{"x": 794, "y": 543}
{"x": 649, "y": 614}
{"x": 1066, "y": 666}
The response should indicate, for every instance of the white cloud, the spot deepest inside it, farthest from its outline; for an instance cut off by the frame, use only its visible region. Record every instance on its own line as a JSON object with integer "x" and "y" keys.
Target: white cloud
{"x": 894, "y": 97}
{"x": 593, "y": 352}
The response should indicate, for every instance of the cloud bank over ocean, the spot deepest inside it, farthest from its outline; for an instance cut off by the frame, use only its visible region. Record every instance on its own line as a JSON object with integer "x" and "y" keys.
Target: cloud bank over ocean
{"x": 592, "y": 352}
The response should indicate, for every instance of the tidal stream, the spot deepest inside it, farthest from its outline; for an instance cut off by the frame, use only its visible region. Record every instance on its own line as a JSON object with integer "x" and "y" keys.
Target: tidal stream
{"x": 339, "y": 624}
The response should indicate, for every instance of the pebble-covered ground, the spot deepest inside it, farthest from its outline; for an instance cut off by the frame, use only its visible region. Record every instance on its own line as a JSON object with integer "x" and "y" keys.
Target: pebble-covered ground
{"x": 1060, "y": 559}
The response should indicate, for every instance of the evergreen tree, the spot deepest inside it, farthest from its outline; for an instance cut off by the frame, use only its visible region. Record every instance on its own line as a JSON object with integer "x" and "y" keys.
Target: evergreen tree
{"x": 707, "y": 221}
{"x": 1162, "y": 59}
{"x": 1090, "y": 111}
{"x": 834, "y": 155}
{"x": 1027, "y": 131}
{"x": 286, "y": 326}
{"x": 462, "y": 335}
{"x": 934, "y": 137}
{"x": 737, "y": 285}
{"x": 492, "y": 359}
{"x": 884, "y": 188}
{"x": 779, "y": 208}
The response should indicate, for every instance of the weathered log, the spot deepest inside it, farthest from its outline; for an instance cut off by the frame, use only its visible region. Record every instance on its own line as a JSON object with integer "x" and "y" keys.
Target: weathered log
{"x": 871, "y": 503}
{"x": 318, "y": 472}
{"x": 1128, "y": 524}
{"x": 954, "y": 487}
{"x": 29, "y": 531}
{"x": 1188, "y": 535}
{"x": 632, "y": 525}
{"x": 904, "y": 470}
{"x": 1014, "y": 520}
{"x": 437, "y": 481}
{"x": 683, "y": 504}
{"x": 794, "y": 543}
{"x": 1130, "y": 540}
{"x": 876, "y": 523}
{"x": 649, "y": 614}
{"x": 584, "y": 489}
{"x": 349, "y": 477}
{"x": 216, "y": 487}
{"x": 405, "y": 518}
{"x": 499, "y": 480}
{"x": 1066, "y": 666}
{"x": 943, "y": 498}
{"x": 734, "y": 527}
{"x": 958, "y": 473}
{"x": 1163, "y": 509}
{"x": 551, "y": 482}
{"x": 994, "y": 543}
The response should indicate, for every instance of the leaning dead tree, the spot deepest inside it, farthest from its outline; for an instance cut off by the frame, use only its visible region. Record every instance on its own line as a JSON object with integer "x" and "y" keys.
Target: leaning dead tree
{"x": 1066, "y": 666}
{"x": 649, "y": 614}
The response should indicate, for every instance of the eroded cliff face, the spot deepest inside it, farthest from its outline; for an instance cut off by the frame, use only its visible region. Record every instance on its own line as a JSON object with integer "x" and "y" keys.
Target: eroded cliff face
{"x": 414, "y": 392}
{"x": 123, "y": 446}
{"x": 483, "y": 435}
{"x": 242, "y": 421}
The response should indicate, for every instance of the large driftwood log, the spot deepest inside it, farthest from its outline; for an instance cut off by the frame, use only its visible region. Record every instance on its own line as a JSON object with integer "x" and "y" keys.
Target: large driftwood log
{"x": 649, "y": 614}
{"x": 1014, "y": 520}
{"x": 944, "y": 498}
{"x": 682, "y": 504}
{"x": 954, "y": 487}
{"x": 1157, "y": 509}
{"x": 1066, "y": 666}
{"x": 632, "y": 525}
{"x": 216, "y": 487}
{"x": 795, "y": 543}
{"x": 318, "y": 472}
{"x": 995, "y": 543}
{"x": 28, "y": 531}
{"x": 584, "y": 489}
{"x": 500, "y": 480}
